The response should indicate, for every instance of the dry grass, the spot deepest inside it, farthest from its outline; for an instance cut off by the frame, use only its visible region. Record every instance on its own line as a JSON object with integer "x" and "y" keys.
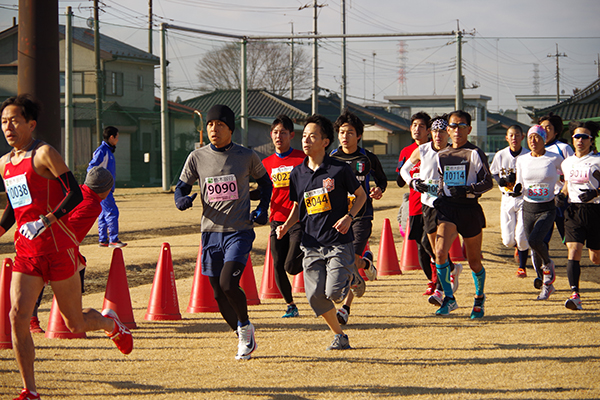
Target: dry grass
{"x": 522, "y": 349}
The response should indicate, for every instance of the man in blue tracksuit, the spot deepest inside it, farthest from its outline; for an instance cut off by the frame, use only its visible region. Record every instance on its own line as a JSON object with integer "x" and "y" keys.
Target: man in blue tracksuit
{"x": 108, "y": 221}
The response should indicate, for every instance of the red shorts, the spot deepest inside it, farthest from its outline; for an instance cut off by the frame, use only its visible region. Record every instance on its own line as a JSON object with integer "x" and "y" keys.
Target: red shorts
{"x": 51, "y": 267}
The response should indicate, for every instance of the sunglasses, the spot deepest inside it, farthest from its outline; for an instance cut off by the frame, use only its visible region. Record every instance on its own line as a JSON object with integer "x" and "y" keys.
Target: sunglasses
{"x": 581, "y": 136}
{"x": 453, "y": 125}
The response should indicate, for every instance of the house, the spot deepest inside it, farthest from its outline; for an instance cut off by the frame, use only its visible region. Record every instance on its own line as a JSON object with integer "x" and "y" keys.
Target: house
{"x": 128, "y": 103}
{"x": 496, "y": 130}
{"x": 527, "y": 103}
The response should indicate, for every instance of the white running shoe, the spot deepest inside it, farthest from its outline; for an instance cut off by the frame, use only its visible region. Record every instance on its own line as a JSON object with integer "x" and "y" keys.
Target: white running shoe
{"x": 246, "y": 344}
{"x": 454, "y": 277}
{"x": 547, "y": 290}
{"x": 342, "y": 316}
{"x": 370, "y": 271}
{"x": 437, "y": 298}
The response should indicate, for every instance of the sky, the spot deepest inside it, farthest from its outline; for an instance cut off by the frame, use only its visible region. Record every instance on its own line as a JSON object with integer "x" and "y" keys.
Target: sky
{"x": 503, "y": 40}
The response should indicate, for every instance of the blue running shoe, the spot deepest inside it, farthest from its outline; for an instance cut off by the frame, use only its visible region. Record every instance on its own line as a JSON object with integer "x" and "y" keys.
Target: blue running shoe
{"x": 478, "y": 308}
{"x": 292, "y": 311}
{"x": 447, "y": 306}
{"x": 340, "y": 342}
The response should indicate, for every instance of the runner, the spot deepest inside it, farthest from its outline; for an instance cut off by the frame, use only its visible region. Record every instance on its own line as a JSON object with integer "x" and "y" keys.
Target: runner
{"x": 504, "y": 171}
{"x": 319, "y": 189}
{"x": 41, "y": 191}
{"x": 582, "y": 217}
{"x": 286, "y": 252}
{"x": 464, "y": 177}
{"x": 364, "y": 164}
{"x": 223, "y": 170}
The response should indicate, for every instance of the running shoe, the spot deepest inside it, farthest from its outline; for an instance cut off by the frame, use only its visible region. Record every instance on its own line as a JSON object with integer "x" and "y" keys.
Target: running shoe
{"x": 292, "y": 311}
{"x": 521, "y": 273}
{"x": 246, "y": 344}
{"x": 547, "y": 290}
{"x": 478, "y": 308}
{"x": 549, "y": 274}
{"x": 121, "y": 334}
{"x": 26, "y": 395}
{"x": 358, "y": 285}
{"x": 454, "y": 276}
{"x": 447, "y": 306}
{"x": 342, "y": 316}
{"x": 370, "y": 271}
{"x": 430, "y": 289}
{"x": 538, "y": 283}
{"x": 574, "y": 302}
{"x": 103, "y": 244}
{"x": 34, "y": 325}
{"x": 117, "y": 245}
{"x": 340, "y": 342}
{"x": 437, "y": 298}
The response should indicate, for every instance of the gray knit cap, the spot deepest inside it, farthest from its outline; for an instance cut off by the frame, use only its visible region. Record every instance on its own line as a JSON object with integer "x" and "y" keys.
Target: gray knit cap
{"x": 99, "y": 179}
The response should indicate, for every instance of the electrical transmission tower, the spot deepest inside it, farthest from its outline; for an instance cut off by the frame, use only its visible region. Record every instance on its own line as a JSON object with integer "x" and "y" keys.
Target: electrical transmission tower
{"x": 536, "y": 79}
{"x": 403, "y": 57}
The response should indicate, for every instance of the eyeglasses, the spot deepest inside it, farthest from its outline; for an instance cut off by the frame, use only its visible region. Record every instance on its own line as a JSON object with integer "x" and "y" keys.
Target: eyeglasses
{"x": 581, "y": 136}
{"x": 453, "y": 125}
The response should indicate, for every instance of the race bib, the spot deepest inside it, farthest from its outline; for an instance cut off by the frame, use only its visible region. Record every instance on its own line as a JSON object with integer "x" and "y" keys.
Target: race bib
{"x": 455, "y": 175}
{"x": 281, "y": 176}
{"x": 538, "y": 192}
{"x": 18, "y": 191}
{"x": 317, "y": 201}
{"x": 432, "y": 188}
{"x": 221, "y": 188}
{"x": 579, "y": 175}
{"x": 351, "y": 201}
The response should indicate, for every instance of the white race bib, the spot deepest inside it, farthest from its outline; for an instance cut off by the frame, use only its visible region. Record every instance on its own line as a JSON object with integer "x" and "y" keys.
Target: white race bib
{"x": 221, "y": 188}
{"x": 18, "y": 191}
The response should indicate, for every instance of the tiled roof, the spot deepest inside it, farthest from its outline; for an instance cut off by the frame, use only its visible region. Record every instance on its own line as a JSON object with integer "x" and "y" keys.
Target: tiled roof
{"x": 494, "y": 119}
{"x": 583, "y": 105}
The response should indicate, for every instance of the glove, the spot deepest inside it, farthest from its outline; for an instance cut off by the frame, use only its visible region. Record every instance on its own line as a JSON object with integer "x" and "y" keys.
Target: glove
{"x": 255, "y": 194}
{"x": 560, "y": 200}
{"x": 517, "y": 191}
{"x": 32, "y": 229}
{"x": 503, "y": 182}
{"x": 259, "y": 216}
{"x": 185, "y": 202}
{"x": 419, "y": 185}
{"x": 512, "y": 177}
{"x": 588, "y": 195}
{"x": 459, "y": 191}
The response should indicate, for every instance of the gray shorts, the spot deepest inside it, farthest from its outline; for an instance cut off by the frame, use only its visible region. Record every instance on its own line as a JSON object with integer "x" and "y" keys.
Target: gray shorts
{"x": 327, "y": 275}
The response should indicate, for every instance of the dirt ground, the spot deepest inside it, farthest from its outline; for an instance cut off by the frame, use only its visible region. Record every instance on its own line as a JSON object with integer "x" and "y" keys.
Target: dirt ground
{"x": 521, "y": 349}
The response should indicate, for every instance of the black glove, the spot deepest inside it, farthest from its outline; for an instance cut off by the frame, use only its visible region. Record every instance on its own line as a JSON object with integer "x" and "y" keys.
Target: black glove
{"x": 419, "y": 185}
{"x": 517, "y": 191}
{"x": 259, "y": 216}
{"x": 503, "y": 182}
{"x": 459, "y": 191}
{"x": 185, "y": 202}
{"x": 588, "y": 195}
{"x": 255, "y": 194}
{"x": 560, "y": 200}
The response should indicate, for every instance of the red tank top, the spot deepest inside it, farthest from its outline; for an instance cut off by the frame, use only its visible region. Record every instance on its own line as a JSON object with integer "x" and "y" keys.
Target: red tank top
{"x": 32, "y": 195}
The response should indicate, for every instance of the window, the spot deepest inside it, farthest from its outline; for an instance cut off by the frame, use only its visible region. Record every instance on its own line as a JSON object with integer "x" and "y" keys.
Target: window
{"x": 114, "y": 83}
{"x": 140, "y": 82}
{"x": 77, "y": 85}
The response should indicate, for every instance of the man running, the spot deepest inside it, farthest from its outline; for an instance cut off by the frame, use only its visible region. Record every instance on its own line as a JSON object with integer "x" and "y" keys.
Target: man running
{"x": 365, "y": 165}
{"x": 41, "y": 191}
{"x": 223, "y": 170}
{"x": 286, "y": 252}
{"x": 319, "y": 189}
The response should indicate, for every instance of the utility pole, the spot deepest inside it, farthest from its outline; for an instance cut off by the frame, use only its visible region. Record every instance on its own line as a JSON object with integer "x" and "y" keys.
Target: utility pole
{"x": 150, "y": 26}
{"x": 99, "y": 79}
{"x": 292, "y": 63}
{"x": 557, "y": 55}
{"x": 365, "y": 79}
{"x": 164, "y": 111}
{"x": 374, "y": 54}
{"x": 69, "y": 90}
{"x": 343, "y": 99}
{"x": 459, "y": 79}
{"x": 315, "y": 88}
{"x": 598, "y": 64}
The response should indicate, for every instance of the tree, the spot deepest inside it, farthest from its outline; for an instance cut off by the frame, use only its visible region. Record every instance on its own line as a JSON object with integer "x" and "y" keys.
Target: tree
{"x": 267, "y": 66}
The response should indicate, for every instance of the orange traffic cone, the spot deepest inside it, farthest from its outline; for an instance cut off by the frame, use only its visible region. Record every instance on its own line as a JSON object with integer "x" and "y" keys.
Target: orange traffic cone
{"x": 410, "y": 253}
{"x": 116, "y": 296}
{"x": 5, "y": 276}
{"x": 202, "y": 297}
{"x": 456, "y": 251}
{"x": 248, "y": 284}
{"x": 163, "y": 304}
{"x": 57, "y": 329}
{"x": 387, "y": 259}
{"x": 268, "y": 286}
{"x": 298, "y": 285}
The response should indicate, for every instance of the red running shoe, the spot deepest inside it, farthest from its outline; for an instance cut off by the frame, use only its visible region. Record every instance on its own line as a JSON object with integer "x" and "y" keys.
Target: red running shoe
{"x": 26, "y": 395}
{"x": 121, "y": 334}
{"x": 521, "y": 273}
{"x": 430, "y": 289}
{"x": 34, "y": 325}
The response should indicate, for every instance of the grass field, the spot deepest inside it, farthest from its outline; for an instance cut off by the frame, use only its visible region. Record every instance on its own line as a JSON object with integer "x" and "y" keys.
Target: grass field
{"x": 521, "y": 349}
